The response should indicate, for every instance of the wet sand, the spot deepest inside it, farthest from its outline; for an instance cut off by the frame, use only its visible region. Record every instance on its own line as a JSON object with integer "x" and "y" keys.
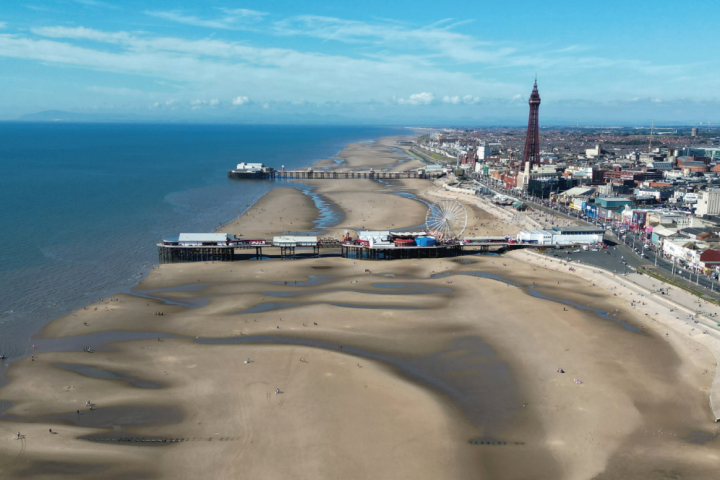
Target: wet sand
{"x": 414, "y": 369}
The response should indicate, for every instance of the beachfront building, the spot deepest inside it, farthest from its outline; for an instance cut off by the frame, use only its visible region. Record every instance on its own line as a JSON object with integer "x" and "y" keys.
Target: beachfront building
{"x": 692, "y": 254}
{"x": 539, "y": 237}
{"x": 572, "y": 235}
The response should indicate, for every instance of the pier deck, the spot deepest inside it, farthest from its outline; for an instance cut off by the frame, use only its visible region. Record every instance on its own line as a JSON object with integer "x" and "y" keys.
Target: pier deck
{"x": 181, "y": 254}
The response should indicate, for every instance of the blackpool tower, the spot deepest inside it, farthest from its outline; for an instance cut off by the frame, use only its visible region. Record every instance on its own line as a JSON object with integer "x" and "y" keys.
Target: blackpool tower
{"x": 531, "y": 154}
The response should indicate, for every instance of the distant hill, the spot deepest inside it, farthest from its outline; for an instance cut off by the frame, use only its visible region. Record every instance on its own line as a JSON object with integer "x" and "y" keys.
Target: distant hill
{"x": 57, "y": 116}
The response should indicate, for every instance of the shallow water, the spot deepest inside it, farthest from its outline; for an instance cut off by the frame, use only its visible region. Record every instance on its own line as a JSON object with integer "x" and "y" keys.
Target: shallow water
{"x": 396, "y": 289}
{"x": 96, "y": 372}
{"x": 189, "y": 302}
{"x": 84, "y": 204}
{"x": 107, "y": 417}
{"x": 271, "y": 306}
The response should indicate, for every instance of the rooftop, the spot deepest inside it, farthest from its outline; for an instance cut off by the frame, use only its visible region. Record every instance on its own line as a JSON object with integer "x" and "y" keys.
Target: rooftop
{"x": 203, "y": 237}
{"x": 575, "y": 230}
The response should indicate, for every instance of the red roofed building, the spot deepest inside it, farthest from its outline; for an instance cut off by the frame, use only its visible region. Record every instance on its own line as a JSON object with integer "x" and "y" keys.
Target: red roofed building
{"x": 710, "y": 258}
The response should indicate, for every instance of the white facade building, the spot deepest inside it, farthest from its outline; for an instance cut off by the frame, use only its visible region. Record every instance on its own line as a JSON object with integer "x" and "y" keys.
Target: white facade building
{"x": 541, "y": 237}
{"x": 250, "y": 167}
{"x": 563, "y": 236}
{"x": 708, "y": 203}
{"x": 200, "y": 239}
{"x": 484, "y": 151}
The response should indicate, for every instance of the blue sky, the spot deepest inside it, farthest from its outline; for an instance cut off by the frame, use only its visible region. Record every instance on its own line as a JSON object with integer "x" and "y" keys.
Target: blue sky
{"x": 610, "y": 62}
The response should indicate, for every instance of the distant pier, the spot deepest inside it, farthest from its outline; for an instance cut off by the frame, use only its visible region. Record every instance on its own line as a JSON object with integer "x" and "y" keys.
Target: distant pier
{"x": 329, "y": 175}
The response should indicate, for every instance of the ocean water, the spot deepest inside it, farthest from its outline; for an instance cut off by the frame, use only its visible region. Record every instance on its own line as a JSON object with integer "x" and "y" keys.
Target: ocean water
{"x": 81, "y": 206}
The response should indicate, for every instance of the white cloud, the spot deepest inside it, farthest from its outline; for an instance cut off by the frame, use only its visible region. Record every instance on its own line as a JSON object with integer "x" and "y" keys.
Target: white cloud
{"x": 266, "y": 106}
{"x": 392, "y": 57}
{"x": 214, "y": 102}
{"x": 3, "y": 25}
{"x": 94, "y": 3}
{"x": 233, "y": 19}
{"x": 469, "y": 99}
{"x": 240, "y": 100}
{"x": 83, "y": 33}
{"x": 198, "y": 102}
{"x": 438, "y": 37}
{"x": 424, "y": 98}
{"x": 170, "y": 102}
{"x": 116, "y": 90}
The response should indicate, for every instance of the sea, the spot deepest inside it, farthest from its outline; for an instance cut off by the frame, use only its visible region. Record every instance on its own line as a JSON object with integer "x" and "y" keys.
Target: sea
{"x": 82, "y": 205}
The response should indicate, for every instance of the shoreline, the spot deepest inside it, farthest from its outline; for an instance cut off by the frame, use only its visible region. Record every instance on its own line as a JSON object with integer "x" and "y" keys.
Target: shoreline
{"x": 487, "y": 333}
{"x": 24, "y": 346}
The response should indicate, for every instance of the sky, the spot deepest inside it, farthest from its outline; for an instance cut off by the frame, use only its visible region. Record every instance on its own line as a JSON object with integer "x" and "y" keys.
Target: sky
{"x": 380, "y": 62}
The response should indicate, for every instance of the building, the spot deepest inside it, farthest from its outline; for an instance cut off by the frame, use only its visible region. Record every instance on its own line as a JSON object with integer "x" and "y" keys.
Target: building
{"x": 573, "y": 235}
{"x": 531, "y": 153}
{"x": 659, "y": 194}
{"x": 574, "y": 194}
{"x": 544, "y": 187}
{"x": 660, "y": 233}
{"x": 710, "y": 152}
{"x": 484, "y": 151}
{"x": 635, "y": 175}
{"x": 250, "y": 167}
{"x": 594, "y": 152}
{"x": 204, "y": 239}
{"x": 538, "y": 171}
{"x": 693, "y": 132}
{"x": 251, "y": 171}
{"x": 709, "y": 259}
{"x": 708, "y": 203}
{"x": 613, "y": 202}
{"x": 197, "y": 247}
{"x": 540, "y": 237}
{"x": 563, "y": 236}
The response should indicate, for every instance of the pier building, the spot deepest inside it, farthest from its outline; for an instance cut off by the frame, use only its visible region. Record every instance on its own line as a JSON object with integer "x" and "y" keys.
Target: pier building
{"x": 251, "y": 171}
{"x": 197, "y": 247}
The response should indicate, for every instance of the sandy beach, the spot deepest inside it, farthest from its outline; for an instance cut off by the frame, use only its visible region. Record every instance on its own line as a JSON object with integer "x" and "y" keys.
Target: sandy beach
{"x": 490, "y": 367}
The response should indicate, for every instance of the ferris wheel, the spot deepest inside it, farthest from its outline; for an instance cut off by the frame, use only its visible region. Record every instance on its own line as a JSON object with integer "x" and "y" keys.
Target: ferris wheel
{"x": 446, "y": 219}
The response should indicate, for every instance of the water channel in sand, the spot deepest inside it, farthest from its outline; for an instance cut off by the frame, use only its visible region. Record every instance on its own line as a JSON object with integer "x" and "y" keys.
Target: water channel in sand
{"x": 467, "y": 371}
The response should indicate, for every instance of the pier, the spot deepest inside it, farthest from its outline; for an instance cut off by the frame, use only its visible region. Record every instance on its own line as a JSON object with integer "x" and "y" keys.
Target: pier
{"x": 329, "y": 175}
{"x": 221, "y": 247}
{"x": 290, "y": 250}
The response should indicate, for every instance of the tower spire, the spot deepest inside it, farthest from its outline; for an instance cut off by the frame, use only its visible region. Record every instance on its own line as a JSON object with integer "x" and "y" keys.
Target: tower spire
{"x": 531, "y": 153}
